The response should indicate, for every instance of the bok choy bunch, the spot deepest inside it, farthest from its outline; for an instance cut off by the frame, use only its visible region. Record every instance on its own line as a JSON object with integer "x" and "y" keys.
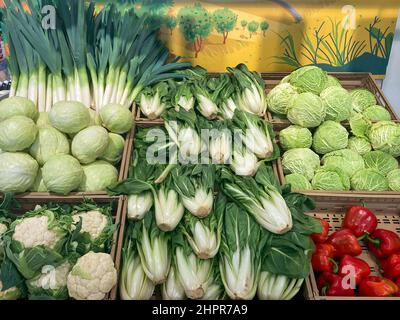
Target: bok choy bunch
{"x": 134, "y": 283}
{"x": 204, "y": 235}
{"x": 260, "y": 197}
{"x": 239, "y": 260}
{"x": 153, "y": 100}
{"x": 251, "y": 95}
{"x": 244, "y": 162}
{"x": 172, "y": 288}
{"x": 193, "y": 273}
{"x": 183, "y": 97}
{"x": 256, "y": 134}
{"x": 277, "y": 287}
{"x": 153, "y": 246}
{"x": 183, "y": 131}
{"x": 215, "y": 289}
{"x": 195, "y": 185}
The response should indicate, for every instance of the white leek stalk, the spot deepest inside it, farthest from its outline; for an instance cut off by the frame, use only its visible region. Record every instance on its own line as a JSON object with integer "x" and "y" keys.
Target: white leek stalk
{"x": 169, "y": 210}
{"x": 172, "y": 289}
{"x": 151, "y": 106}
{"x": 134, "y": 284}
{"x": 244, "y": 163}
{"x": 277, "y": 287}
{"x": 221, "y": 147}
{"x": 201, "y": 204}
{"x": 193, "y": 273}
{"x": 139, "y": 205}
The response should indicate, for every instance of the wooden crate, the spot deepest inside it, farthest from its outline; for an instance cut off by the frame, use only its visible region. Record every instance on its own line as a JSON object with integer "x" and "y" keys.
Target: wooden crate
{"x": 349, "y": 80}
{"x": 332, "y": 210}
{"x": 28, "y": 204}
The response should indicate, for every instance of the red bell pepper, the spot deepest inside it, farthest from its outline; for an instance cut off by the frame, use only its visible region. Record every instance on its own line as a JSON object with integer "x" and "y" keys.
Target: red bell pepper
{"x": 345, "y": 242}
{"x": 377, "y": 287}
{"x": 398, "y": 286}
{"x": 382, "y": 243}
{"x": 322, "y": 236}
{"x": 391, "y": 266}
{"x": 331, "y": 284}
{"x": 360, "y": 221}
{"x": 322, "y": 259}
{"x": 354, "y": 266}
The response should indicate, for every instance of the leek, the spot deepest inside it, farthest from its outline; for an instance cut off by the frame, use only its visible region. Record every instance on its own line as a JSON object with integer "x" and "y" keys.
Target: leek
{"x": 260, "y": 197}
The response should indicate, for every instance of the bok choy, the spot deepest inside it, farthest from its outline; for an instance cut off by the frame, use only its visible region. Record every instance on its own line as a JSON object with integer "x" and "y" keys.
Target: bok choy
{"x": 277, "y": 287}
{"x": 172, "y": 288}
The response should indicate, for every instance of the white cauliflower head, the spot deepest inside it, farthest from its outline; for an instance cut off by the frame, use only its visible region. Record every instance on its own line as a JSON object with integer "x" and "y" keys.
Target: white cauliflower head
{"x": 34, "y": 231}
{"x": 92, "y": 277}
{"x": 3, "y": 228}
{"x": 52, "y": 278}
{"x": 93, "y": 222}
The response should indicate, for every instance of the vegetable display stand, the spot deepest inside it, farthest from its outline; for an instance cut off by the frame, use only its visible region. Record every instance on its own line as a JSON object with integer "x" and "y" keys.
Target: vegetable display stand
{"x": 349, "y": 80}
{"x": 117, "y": 203}
{"x": 333, "y": 209}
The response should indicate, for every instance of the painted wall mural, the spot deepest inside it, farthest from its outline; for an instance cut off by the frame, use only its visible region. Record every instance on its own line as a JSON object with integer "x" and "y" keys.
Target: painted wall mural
{"x": 278, "y": 35}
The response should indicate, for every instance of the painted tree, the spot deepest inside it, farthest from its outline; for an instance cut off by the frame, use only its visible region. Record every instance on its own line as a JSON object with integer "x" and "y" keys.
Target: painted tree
{"x": 243, "y": 23}
{"x": 195, "y": 23}
{"x": 253, "y": 27}
{"x": 264, "y": 27}
{"x": 170, "y": 23}
{"x": 224, "y": 21}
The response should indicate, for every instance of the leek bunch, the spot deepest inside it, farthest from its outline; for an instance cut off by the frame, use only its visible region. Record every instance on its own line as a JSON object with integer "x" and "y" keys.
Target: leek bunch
{"x": 92, "y": 57}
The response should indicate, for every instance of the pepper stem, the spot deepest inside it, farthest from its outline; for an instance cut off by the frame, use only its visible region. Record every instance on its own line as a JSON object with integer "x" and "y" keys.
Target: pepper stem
{"x": 376, "y": 242}
{"x": 335, "y": 265}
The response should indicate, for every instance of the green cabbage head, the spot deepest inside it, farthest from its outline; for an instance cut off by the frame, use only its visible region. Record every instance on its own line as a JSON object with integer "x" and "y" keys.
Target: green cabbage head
{"x": 330, "y": 136}
{"x": 69, "y": 116}
{"x": 309, "y": 79}
{"x": 43, "y": 120}
{"x": 346, "y": 160}
{"x": 369, "y": 180}
{"x": 98, "y": 176}
{"x": 337, "y": 102}
{"x": 298, "y": 181}
{"x": 18, "y": 106}
{"x": 306, "y": 110}
{"x": 394, "y": 180}
{"x": 331, "y": 179}
{"x": 89, "y": 144}
{"x": 359, "y": 145}
{"x": 49, "y": 142}
{"x": 301, "y": 160}
{"x": 278, "y": 98}
{"x": 116, "y": 118}
{"x": 332, "y": 82}
{"x": 377, "y": 113}
{"x": 115, "y": 148}
{"x": 385, "y": 136}
{"x": 362, "y": 99}
{"x": 17, "y": 133}
{"x": 17, "y": 172}
{"x": 62, "y": 174}
{"x": 359, "y": 125}
{"x": 380, "y": 161}
{"x": 295, "y": 137}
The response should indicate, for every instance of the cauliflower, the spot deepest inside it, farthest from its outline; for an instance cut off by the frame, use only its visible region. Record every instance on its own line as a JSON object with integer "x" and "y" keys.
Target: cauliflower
{"x": 93, "y": 222}
{"x": 52, "y": 278}
{"x": 34, "y": 231}
{"x": 9, "y": 294}
{"x": 3, "y": 228}
{"x": 92, "y": 277}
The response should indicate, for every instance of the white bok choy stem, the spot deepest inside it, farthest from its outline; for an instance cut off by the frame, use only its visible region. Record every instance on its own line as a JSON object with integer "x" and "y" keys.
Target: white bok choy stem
{"x": 240, "y": 261}
{"x": 172, "y": 289}
{"x": 204, "y": 235}
{"x": 277, "y": 287}
{"x": 194, "y": 273}
{"x": 133, "y": 283}
{"x": 154, "y": 249}
{"x": 195, "y": 185}
{"x": 139, "y": 205}
{"x": 260, "y": 197}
